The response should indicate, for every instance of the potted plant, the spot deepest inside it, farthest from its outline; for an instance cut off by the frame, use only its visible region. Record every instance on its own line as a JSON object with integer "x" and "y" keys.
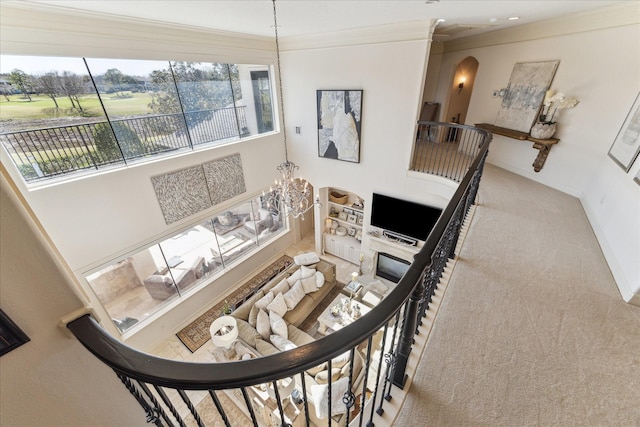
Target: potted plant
{"x": 226, "y": 308}
{"x": 546, "y": 127}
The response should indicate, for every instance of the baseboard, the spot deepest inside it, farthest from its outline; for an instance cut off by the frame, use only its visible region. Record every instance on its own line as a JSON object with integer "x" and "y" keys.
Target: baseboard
{"x": 609, "y": 255}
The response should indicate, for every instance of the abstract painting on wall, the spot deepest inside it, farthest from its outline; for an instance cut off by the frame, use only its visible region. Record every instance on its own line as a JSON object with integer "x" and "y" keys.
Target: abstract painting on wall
{"x": 524, "y": 95}
{"x": 339, "y": 124}
{"x": 182, "y": 193}
{"x": 225, "y": 178}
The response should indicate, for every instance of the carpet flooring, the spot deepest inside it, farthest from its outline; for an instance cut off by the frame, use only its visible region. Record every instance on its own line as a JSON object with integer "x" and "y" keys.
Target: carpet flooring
{"x": 196, "y": 334}
{"x": 532, "y": 329}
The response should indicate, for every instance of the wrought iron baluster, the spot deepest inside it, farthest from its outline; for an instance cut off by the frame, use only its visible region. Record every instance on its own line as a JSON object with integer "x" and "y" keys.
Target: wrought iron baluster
{"x": 191, "y": 407}
{"x": 169, "y": 404}
{"x": 219, "y": 407}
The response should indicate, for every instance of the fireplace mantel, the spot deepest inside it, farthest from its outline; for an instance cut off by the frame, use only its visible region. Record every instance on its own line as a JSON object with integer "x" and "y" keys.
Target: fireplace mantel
{"x": 405, "y": 252}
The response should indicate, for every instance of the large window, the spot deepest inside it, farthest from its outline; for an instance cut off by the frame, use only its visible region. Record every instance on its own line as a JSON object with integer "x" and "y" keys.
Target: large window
{"x": 62, "y": 115}
{"x": 133, "y": 288}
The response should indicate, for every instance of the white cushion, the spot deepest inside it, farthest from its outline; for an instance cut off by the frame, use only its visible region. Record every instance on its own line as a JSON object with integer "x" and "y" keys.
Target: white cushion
{"x": 278, "y": 305}
{"x": 306, "y": 272}
{"x": 294, "y": 277}
{"x": 340, "y": 360}
{"x": 278, "y": 325}
{"x": 306, "y": 259}
{"x": 294, "y": 295}
{"x": 281, "y": 287}
{"x": 309, "y": 284}
{"x": 263, "y": 302}
{"x": 319, "y": 279}
{"x": 281, "y": 343}
{"x": 262, "y": 324}
{"x": 320, "y": 397}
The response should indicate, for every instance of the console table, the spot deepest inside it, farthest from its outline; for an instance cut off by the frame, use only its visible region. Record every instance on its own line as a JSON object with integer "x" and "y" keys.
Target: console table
{"x": 542, "y": 145}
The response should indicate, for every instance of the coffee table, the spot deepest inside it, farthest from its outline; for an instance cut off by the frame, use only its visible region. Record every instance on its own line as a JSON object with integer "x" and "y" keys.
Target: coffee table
{"x": 330, "y": 323}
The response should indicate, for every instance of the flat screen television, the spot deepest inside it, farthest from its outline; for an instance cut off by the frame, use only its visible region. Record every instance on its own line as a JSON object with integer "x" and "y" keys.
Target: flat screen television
{"x": 403, "y": 217}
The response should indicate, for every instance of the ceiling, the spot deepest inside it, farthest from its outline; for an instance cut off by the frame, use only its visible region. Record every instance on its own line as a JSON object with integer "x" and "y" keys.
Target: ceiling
{"x": 306, "y": 17}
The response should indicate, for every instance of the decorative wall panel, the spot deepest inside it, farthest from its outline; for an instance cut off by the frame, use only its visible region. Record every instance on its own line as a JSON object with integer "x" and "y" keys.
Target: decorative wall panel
{"x": 182, "y": 193}
{"x": 225, "y": 178}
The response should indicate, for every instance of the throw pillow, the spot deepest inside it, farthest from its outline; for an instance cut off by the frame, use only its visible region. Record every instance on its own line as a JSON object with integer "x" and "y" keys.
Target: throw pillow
{"x": 253, "y": 315}
{"x": 265, "y": 348}
{"x": 262, "y": 324}
{"x": 306, "y": 272}
{"x": 263, "y": 302}
{"x": 322, "y": 377}
{"x": 320, "y": 398}
{"x": 309, "y": 284}
{"x": 294, "y": 296}
{"x": 306, "y": 259}
{"x": 294, "y": 277}
{"x": 357, "y": 366}
{"x": 247, "y": 333}
{"x": 278, "y": 325}
{"x": 278, "y": 305}
{"x": 281, "y": 287}
{"x": 341, "y": 360}
{"x": 319, "y": 279}
{"x": 314, "y": 371}
{"x": 282, "y": 343}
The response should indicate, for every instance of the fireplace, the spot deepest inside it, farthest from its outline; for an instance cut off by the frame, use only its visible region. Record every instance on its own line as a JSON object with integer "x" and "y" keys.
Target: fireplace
{"x": 390, "y": 267}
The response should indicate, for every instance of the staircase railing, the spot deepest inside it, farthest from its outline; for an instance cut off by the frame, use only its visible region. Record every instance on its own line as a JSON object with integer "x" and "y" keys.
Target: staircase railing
{"x": 445, "y": 149}
{"x": 167, "y": 390}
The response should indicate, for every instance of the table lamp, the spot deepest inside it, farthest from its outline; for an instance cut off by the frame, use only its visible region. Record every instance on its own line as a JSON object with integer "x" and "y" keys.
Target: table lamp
{"x": 224, "y": 332}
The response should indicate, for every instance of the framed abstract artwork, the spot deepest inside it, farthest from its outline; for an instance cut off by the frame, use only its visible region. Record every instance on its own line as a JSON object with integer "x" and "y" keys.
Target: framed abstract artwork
{"x": 524, "y": 95}
{"x": 626, "y": 146}
{"x": 339, "y": 124}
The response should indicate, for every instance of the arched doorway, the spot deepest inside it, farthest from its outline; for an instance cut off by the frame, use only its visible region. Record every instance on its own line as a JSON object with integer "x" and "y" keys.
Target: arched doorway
{"x": 461, "y": 89}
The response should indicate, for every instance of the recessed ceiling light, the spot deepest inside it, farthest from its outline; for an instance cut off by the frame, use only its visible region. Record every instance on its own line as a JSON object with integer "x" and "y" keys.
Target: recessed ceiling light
{"x": 431, "y": 1}
{"x": 493, "y": 20}
{"x": 513, "y": 18}
{"x": 441, "y": 20}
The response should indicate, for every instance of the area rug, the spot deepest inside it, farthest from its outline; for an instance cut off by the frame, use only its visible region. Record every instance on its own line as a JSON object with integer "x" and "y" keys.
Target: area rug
{"x": 310, "y": 324}
{"x": 196, "y": 334}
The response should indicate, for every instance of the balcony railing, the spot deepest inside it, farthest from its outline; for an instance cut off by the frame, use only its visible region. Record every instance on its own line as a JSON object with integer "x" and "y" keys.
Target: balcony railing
{"x": 49, "y": 152}
{"x": 167, "y": 390}
{"x": 445, "y": 149}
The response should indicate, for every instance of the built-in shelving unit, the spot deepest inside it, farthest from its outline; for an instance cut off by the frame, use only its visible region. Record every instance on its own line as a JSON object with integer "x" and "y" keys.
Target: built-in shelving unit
{"x": 344, "y": 216}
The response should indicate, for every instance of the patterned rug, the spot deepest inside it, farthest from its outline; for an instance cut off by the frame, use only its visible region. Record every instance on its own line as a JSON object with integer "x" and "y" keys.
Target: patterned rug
{"x": 196, "y": 334}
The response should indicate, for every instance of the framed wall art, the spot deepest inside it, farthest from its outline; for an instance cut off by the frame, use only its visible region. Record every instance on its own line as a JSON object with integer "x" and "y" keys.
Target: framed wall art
{"x": 339, "y": 124}
{"x": 11, "y": 336}
{"x": 523, "y": 98}
{"x": 626, "y": 146}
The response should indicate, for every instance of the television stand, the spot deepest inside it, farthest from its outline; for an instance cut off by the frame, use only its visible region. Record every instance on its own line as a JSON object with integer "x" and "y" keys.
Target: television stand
{"x": 399, "y": 238}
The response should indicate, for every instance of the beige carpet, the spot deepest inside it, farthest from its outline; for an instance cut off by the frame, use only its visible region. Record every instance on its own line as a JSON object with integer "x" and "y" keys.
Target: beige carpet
{"x": 532, "y": 329}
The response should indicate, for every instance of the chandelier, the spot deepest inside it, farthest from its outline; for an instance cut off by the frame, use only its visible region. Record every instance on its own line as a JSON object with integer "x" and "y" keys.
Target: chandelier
{"x": 291, "y": 195}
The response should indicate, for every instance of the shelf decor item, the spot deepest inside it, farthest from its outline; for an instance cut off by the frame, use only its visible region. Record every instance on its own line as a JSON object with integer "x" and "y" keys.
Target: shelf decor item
{"x": 545, "y": 128}
{"x": 338, "y": 198}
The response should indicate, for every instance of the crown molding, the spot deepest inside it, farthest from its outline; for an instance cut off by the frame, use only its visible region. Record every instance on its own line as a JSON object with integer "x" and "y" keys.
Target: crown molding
{"x": 618, "y": 15}
{"x": 388, "y": 33}
{"x": 26, "y": 25}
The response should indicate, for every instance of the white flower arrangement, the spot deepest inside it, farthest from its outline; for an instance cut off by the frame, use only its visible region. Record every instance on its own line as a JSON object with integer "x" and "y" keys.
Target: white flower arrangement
{"x": 553, "y": 102}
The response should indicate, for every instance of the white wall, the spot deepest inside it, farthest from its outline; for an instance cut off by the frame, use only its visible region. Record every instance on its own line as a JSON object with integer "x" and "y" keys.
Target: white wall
{"x": 600, "y": 67}
{"x": 391, "y": 77}
{"x": 51, "y": 380}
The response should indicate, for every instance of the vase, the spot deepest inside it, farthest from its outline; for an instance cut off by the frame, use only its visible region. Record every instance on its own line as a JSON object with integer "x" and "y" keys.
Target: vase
{"x": 543, "y": 130}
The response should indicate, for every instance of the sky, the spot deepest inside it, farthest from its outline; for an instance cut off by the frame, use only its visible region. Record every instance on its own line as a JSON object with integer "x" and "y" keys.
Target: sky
{"x": 38, "y": 65}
